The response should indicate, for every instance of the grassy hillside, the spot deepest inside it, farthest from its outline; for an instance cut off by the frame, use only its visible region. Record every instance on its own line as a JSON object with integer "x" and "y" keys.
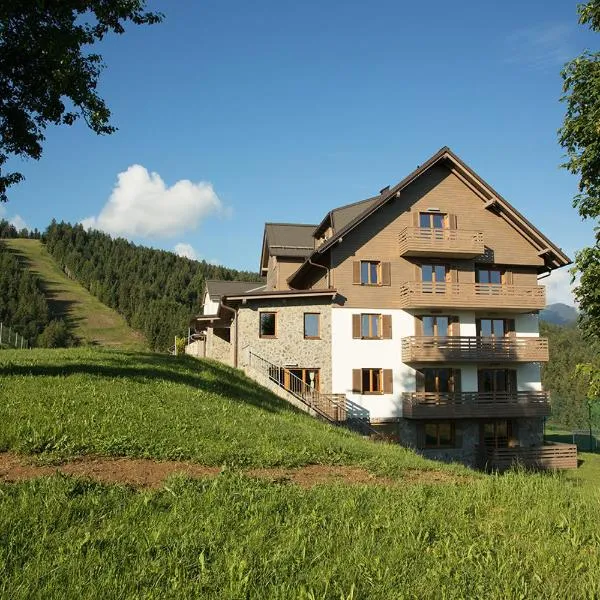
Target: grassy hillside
{"x": 90, "y": 320}
{"x": 237, "y": 536}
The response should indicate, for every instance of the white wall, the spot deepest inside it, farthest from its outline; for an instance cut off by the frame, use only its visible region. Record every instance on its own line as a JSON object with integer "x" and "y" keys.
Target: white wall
{"x": 527, "y": 325}
{"x": 210, "y": 306}
{"x": 348, "y": 353}
{"x": 529, "y": 377}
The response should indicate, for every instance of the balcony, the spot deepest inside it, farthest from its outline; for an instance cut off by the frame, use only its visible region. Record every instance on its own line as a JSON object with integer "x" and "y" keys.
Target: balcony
{"x": 548, "y": 456}
{"x": 450, "y": 243}
{"x": 471, "y": 405}
{"x": 476, "y": 349}
{"x": 520, "y": 298}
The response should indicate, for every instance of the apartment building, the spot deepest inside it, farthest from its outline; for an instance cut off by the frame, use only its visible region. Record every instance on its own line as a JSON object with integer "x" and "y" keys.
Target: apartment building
{"x": 415, "y": 310}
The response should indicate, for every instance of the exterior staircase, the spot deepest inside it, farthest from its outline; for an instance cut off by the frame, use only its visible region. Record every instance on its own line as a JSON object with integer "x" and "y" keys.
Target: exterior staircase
{"x": 337, "y": 409}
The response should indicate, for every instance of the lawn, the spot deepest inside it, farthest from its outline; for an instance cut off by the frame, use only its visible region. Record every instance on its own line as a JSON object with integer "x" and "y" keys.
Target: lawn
{"x": 90, "y": 321}
{"x": 235, "y": 536}
{"x": 88, "y": 401}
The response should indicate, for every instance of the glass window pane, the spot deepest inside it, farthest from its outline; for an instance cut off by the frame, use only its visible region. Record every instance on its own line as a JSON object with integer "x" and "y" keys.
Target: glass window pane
{"x": 425, "y": 220}
{"x": 430, "y": 380}
{"x": 267, "y": 324}
{"x": 500, "y": 380}
{"x": 445, "y": 434}
{"x": 374, "y": 325}
{"x": 486, "y": 380}
{"x": 483, "y": 276}
{"x": 440, "y": 273}
{"x": 311, "y": 325}
{"x": 428, "y": 323}
{"x": 364, "y": 326}
{"x": 364, "y": 272}
{"x": 485, "y": 327}
{"x": 438, "y": 221}
{"x": 366, "y": 380}
{"x": 427, "y": 273}
{"x": 498, "y": 325}
{"x": 431, "y": 430}
{"x": 443, "y": 326}
{"x": 495, "y": 277}
{"x": 444, "y": 380}
{"x": 374, "y": 272}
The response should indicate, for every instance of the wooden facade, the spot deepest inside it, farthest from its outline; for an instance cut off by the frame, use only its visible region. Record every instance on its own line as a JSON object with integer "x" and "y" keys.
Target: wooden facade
{"x": 428, "y": 349}
{"x": 466, "y": 405}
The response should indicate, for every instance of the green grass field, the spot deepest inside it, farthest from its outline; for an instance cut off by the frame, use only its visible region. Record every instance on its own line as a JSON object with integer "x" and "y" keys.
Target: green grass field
{"x": 232, "y": 536}
{"x": 90, "y": 321}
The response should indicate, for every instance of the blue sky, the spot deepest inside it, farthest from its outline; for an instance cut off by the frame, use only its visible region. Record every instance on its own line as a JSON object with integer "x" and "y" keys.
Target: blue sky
{"x": 279, "y": 111}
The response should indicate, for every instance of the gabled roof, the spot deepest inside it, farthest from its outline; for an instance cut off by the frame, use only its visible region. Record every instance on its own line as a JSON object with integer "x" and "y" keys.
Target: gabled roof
{"x": 341, "y": 216}
{"x": 219, "y": 287}
{"x": 286, "y": 239}
{"x": 552, "y": 254}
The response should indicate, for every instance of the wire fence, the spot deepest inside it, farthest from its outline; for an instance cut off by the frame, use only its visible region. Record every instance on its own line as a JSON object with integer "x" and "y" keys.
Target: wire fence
{"x": 9, "y": 338}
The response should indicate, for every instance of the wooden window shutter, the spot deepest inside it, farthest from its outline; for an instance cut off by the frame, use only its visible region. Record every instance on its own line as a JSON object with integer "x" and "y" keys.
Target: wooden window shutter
{"x": 420, "y": 381}
{"x": 386, "y": 273}
{"x": 388, "y": 381}
{"x": 453, "y": 273}
{"x": 454, "y": 326}
{"x": 452, "y": 222}
{"x": 508, "y": 278}
{"x": 356, "y": 271}
{"x": 419, "y": 326}
{"x": 418, "y": 273}
{"x": 356, "y": 326}
{"x": 510, "y": 327}
{"x": 357, "y": 381}
{"x": 386, "y": 321}
{"x": 415, "y": 218}
{"x": 456, "y": 375}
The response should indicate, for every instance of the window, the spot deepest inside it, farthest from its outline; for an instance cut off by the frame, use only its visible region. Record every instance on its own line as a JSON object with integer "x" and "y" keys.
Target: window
{"x": 299, "y": 380}
{"x": 497, "y": 380}
{"x": 370, "y": 326}
{"x": 312, "y": 326}
{"x": 438, "y": 381}
{"x": 268, "y": 322}
{"x": 367, "y": 326}
{"x": 496, "y": 434}
{"x": 432, "y": 220}
{"x": 372, "y": 381}
{"x": 495, "y": 327}
{"x": 439, "y": 435}
{"x": 370, "y": 272}
{"x": 434, "y": 278}
{"x": 436, "y": 326}
{"x": 490, "y": 276}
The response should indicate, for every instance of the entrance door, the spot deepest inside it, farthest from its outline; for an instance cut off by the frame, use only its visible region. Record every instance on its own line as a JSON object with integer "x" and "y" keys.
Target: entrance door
{"x": 300, "y": 380}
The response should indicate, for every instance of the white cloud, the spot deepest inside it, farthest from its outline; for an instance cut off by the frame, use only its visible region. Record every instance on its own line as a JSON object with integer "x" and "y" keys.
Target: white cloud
{"x": 19, "y": 222}
{"x": 186, "y": 251}
{"x": 540, "y": 46}
{"x": 142, "y": 205}
{"x": 559, "y": 288}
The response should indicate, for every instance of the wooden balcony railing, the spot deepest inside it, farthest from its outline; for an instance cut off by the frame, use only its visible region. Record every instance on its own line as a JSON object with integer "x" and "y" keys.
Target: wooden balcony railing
{"x": 421, "y": 294}
{"x": 464, "y": 405}
{"x": 424, "y": 241}
{"x": 548, "y": 456}
{"x": 474, "y": 348}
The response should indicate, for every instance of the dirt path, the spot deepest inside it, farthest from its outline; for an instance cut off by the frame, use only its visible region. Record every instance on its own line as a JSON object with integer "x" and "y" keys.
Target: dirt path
{"x": 151, "y": 474}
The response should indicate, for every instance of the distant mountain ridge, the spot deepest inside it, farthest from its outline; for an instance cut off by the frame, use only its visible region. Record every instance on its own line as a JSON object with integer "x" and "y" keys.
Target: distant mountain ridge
{"x": 559, "y": 314}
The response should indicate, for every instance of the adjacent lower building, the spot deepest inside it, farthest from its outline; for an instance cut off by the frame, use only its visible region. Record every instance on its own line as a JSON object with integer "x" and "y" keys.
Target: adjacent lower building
{"x": 413, "y": 312}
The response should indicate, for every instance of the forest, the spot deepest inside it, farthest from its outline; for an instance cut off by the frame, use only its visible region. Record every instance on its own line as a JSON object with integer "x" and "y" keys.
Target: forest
{"x": 156, "y": 291}
{"x": 23, "y": 305}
